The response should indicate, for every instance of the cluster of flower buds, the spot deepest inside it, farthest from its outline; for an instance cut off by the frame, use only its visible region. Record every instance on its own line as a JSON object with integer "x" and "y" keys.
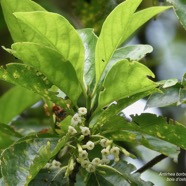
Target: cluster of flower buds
{"x": 108, "y": 151}
{"x": 53, "y": 165}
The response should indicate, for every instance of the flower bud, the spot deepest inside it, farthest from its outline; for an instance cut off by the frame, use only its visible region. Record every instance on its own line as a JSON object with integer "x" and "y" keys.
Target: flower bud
{"x": 96, "y": 161}
{"x": 82, "y": 111}
{"x": 105, "y": 152}
{"x": 91, "y": 168}
{"x": 75, "y": 119}
{"x": 105, "y": 142}
{"x": 89, "y": 145}
{"x": 85, "y": 163}
{"x": 105, "y": 161}
{"x": 114, "y": 150}
{"x": 72, "y": 130}
{"x": 85, "y": 131}
{"x": 83, "y": 154}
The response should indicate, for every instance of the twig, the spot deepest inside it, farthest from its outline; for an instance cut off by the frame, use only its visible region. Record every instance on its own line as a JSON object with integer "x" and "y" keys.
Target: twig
{"x": 151, "y": 163}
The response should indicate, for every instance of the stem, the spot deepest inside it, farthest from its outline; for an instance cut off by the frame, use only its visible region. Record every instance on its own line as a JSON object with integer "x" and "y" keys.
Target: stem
{"x": 151, "y": 163}
{"x": 72, "y": 176}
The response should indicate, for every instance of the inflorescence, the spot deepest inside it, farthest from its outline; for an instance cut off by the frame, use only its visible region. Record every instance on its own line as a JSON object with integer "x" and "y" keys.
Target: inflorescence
{"x": 78, "y": 130}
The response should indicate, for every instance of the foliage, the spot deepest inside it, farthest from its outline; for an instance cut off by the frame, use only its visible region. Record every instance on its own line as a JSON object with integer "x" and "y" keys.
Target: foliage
{"x": 85, "y": 82}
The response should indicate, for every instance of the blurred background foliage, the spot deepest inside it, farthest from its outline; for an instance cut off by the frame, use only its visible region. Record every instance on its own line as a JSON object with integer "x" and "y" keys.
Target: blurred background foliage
{"x": 164, "y": 33}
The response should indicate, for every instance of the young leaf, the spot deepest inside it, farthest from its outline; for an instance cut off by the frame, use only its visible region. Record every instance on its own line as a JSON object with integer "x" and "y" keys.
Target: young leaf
{"x": 133, "y": 53}
{"x": 119, "y": 25}
{"x": 15, "y": 101}
{"x": 125, "y": 79}
{"x": 55, "y": 31}
{"x": 112, "y": 33}
{"x": 49, "y": 62}
{"x": 89, "y": 40}
{"x": 15, "y": 27}
{"x": 27, "y": 159}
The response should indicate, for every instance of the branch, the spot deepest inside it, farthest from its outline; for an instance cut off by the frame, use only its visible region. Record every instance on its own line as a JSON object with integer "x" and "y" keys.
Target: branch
{"x": 151, "y": 163}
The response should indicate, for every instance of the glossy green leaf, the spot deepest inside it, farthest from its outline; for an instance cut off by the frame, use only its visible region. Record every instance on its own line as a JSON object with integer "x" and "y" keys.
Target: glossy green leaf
{"x": 89, "y": 40}
{"x": 170, "y": 83}
{"x": 7, "y": 136}
{"x": 14, "y": 102}
{"x": 120, "y": 176}
{"x": 179, "y": 8}
{"x": 112, "y": 32}
{"x": 28, "y": 158}
{"x": 125, "y": 79}
{"x": 182, "y": 91}
{"x": 51, "y": 177}
{"x": 15, "y": 27}
{"x": 55, "y": 31}
{"x": 49, "y": 62}
{"x": 118, "y": 27}
{"x": 167, "y": 97}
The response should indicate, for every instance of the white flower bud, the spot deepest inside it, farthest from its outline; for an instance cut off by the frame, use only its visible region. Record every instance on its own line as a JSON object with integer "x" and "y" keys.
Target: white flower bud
{"x": 91, "y": 168}
{"x": 114, "y": 151}
{"x": 85, "y": 131}
{"x": 85, "y": 163}
{"x": 76, "y": 119}
{"x": 96, "y": 161}
{"x": 105, "y": 142}
{"x": 72, "y": 130}
{"x": 82, "y": 111}
{"x": 89, "y": 145}
{"x": 105, "y": 152}
{"x": 83, "y": 154}
{"x": 55, "y": 164}
{"x": 105, "y": 161}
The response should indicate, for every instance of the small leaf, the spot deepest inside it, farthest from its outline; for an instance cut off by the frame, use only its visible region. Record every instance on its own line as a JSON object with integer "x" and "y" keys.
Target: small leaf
{"x": 170, "y": 83}
{"x": 89, "y": 40}
{"x": 125, "y": 79}
{"x": 23, "y": 160}
{"x": 14, "y": 102}
{"x": 55, "y": 31}
{"x": 49, "y": 62}
{"x": 15, "y": 27}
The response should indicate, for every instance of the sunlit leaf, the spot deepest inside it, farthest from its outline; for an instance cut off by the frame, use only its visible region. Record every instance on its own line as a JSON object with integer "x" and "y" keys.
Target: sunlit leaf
{"x": 55, "y": 31}
{"x": 125, "y": 79}
{"x": 49, "y": 62}
{"x": 15, "y": 27}
{"x": 15, "y": 101}
{"x": 89, "y": 40}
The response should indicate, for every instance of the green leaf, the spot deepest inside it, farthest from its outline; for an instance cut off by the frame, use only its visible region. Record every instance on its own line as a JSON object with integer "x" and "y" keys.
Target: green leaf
{"x": 51, "y": 177}
{"x": 27, "y": 77}
{"x": 157, "y": 126}
{"x": 7, "y": 136}
{"x": 49, "y": 62}
{"x": 120, "y": 175}
{"x": 123, "y": 80}
{"x": 14, "y": 102}
{"x": 89, "y": 40}
{"x": 14, "y": 25}
{"x": 55, "y": 31}
{"x": 112, "y": 32}
{"x": 28, "y": 158}
{"x": 179, "y": 8}
{"x": 167, "y": 97}
{"x": 117, "y": 28}
{"x": 132, "y": 53}
{"x": 170, "y": 83}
